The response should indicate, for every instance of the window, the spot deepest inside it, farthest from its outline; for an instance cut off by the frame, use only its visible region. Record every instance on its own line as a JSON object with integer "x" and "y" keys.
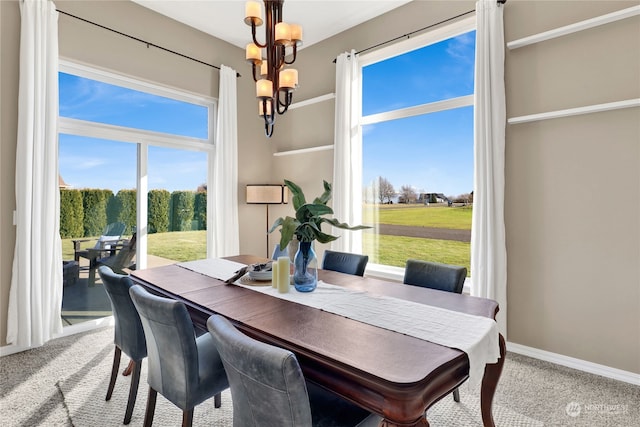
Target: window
{"x": 136, "y": 153}
{"x": 417, "y": 145}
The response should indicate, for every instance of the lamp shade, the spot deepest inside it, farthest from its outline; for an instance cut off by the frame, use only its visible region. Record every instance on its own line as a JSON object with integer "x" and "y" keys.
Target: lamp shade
{"x": 267, "y": 194}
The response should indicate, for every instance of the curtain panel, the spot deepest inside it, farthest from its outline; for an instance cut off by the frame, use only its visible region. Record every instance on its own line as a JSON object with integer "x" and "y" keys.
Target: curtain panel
{"x": 347, "y": 153}
{"x": 35, "y": 296}
{"x": 488, "y": 246}
{"x": 226, "y": 240}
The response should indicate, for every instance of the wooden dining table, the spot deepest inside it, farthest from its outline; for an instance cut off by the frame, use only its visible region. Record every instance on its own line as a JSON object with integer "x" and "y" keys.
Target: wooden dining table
{"x": 389, "y": 373}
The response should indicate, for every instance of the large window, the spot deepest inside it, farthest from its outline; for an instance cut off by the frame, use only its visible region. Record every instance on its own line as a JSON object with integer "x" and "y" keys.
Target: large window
{"x": 134, "y": 153}
{"x": 417, "y": 145}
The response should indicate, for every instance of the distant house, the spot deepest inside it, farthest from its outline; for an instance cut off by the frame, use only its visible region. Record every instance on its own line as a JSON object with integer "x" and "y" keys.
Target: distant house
{"x": 61, "y": 183}
{"x": 433, "y": 198}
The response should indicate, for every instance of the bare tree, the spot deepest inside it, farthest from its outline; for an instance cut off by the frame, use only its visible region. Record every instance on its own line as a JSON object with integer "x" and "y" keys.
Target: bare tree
{"x": 385, "y": 190}
{"x": 407, "y": 194}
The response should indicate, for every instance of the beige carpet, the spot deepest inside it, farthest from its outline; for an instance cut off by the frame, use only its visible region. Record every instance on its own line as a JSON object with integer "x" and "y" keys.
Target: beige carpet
{"x": 85, "y": 390}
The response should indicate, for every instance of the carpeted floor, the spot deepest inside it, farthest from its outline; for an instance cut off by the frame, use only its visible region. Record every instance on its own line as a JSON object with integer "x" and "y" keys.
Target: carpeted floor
{"x": 64, "y": 383}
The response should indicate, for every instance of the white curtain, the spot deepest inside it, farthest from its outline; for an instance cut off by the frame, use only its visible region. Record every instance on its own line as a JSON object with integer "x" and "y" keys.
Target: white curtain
{"x": 347, "y": 154}
{"x": 226, "y": 240}
{"x": 36, "y": 283}
{"x": 488, "y": 247}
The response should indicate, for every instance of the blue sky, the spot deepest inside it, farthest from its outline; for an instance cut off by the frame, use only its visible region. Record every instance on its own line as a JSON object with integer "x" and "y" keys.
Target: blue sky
{"x": 98, "y": 163}
{"x": 432, "y": 153}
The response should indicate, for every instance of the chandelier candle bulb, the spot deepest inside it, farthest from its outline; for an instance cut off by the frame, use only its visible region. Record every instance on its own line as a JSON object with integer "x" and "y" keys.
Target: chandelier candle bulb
{"x": 253, "y": 53}
{"x": 252, "y": 11}
{"x": 264, "y": 88}
{"x": 283, "y": 274}
{"x": 283, "y": 33}
{"x": 289, "y": 78}
{"x": 274, "y": 275}
{"x": 261, "y": 108}
{"x": 296, "y": 33}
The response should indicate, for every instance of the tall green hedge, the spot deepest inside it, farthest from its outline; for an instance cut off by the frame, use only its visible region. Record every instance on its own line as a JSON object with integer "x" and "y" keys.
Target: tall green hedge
{"x": 94, "y": 204}
{"x": 182, "y": 210}
{"x": 71, "y": 214}
{"x": 200, "y": 210}
{"x": 158, "y": 216}
{"x": 126, "y": 202}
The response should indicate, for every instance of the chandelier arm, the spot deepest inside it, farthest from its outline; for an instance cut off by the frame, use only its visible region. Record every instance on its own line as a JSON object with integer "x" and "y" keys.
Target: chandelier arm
{"x": 253, "y": 72}
{"x": 286, "y": 103}
{"x": 253, "y": 35}
{"x": 295, "y": 53}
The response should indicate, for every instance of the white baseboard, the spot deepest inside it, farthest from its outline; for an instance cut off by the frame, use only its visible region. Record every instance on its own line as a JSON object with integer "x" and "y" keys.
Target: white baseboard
{"x": 66, "y": 331}
{"x": 571, "y": 362}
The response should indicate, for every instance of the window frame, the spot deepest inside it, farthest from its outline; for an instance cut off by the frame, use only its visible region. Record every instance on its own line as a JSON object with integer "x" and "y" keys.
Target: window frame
{"x": 144, "y": 138}
{"x": 431, "y": 37}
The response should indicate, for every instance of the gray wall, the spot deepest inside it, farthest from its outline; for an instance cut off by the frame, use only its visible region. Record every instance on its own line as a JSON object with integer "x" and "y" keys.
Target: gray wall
{"x": 572, "y": 184}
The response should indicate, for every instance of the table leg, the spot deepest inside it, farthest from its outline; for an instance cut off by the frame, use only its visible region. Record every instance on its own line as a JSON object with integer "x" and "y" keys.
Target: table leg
{"x": 92, "y": 271}
{"x": 490, "y": 379}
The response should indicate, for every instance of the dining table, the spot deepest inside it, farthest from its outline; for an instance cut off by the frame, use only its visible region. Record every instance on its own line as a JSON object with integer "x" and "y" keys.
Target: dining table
{"x": 387, "y": 372}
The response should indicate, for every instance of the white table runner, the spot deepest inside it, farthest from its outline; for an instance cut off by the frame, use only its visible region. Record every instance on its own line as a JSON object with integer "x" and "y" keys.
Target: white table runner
{"x": 475, "y": 335}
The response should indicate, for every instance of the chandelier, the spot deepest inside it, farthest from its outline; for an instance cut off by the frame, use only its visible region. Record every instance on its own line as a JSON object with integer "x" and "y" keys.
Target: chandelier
{"x": 274, "y": 83}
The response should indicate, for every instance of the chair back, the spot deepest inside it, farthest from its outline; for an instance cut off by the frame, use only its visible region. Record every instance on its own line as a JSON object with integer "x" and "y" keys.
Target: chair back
{"x": 110, "y": 235}
{"x": 123, "y": 258}
{"x": 434, "y": 275}
{"x": 344, "y": 262}
{"x": 171, "y": 347}
{"x": 129, "y": 334}
{"x": 267, "y": 385}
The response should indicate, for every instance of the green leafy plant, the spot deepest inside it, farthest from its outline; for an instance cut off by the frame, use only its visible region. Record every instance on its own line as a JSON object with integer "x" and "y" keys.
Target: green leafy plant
{"x": 306, "y": 225}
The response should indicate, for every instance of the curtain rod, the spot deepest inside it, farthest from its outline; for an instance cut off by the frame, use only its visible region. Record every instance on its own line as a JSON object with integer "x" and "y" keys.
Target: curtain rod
{"x": 407, "y": 35}
{"x": 142, "y": 41}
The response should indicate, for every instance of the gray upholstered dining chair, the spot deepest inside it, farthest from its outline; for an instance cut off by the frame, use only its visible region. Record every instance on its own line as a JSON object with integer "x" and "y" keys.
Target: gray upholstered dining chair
{"x": 345, "y": 262}
{"x": 434, "y": 275}
{"x": 128, "y": 333}
{"x": 184, "y": 369}
{"x": 268, "y": 388}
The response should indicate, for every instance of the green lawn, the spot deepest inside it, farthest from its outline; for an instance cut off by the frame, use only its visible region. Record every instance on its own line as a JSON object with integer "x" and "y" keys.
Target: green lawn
{"x": 395, "y": 250}
{"x": 420, "y": 215}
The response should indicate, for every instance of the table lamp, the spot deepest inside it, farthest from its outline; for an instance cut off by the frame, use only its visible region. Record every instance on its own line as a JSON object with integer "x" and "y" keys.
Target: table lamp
{"x": 267, "y": 194}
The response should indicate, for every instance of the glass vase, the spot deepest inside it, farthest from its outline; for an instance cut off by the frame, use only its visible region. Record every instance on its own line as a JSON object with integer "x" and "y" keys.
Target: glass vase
{"x": 305, "y": 268}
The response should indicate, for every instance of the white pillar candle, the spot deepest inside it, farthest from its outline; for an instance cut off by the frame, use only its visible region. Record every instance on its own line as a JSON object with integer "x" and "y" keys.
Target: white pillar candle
{"x": 283, "y": 274}
{"x": 264, "y": 68}
{"x": 274, "y": 274}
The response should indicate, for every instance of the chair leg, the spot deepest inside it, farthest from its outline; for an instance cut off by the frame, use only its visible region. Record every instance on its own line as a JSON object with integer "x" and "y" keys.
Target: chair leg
{"x": 187, "y": 418}
{"x": 456, "y": 395}
{"x": 114, "y": 371}
{"x": 217, "y": 400}
{"x": 133, "y": 391}
{"x": 151, "y": 407}
{"x": 129, "y": 368}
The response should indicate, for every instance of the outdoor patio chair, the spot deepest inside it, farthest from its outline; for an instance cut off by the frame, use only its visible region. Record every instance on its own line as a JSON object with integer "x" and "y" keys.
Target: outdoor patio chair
{"x": 122, "y": 259}
{"x": 110, "y": 237}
